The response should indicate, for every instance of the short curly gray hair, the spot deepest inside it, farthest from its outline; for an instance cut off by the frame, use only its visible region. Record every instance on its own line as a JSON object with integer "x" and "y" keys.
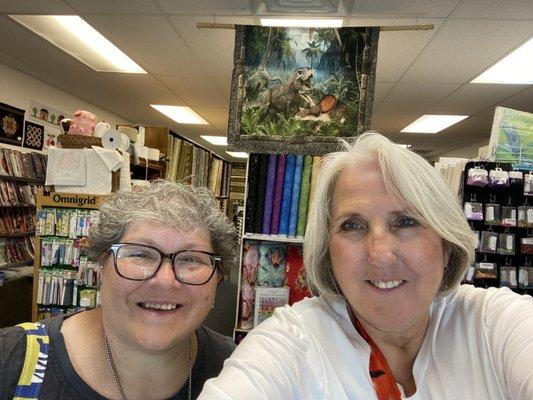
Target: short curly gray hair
{"x": 178, "y": 205}
{"x": 408, "y": 177}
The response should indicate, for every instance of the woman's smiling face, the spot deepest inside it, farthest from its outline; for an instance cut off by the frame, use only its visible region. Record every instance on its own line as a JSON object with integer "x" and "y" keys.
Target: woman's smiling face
{"x": 388, "y": 264}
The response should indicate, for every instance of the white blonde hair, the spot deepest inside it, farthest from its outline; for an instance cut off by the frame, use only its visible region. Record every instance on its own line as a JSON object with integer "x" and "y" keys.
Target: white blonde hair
{"x": 408, "y": 178}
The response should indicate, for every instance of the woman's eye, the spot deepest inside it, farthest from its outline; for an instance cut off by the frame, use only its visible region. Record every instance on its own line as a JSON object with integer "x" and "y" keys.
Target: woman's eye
{"x": 350, "y": 226}
{"x": 406, "y": 222}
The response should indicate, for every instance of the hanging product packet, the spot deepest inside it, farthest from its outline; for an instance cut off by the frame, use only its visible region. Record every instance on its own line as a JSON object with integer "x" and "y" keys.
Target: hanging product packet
{"x": 506, "y": 244}
{"x": 508, "y": 216}
{"x": 528, "y": 184}
{"x": 489, "y": 242}
{"x": 492, "y": 214}
{"x": 526, "y": 245}
{"x": 486, "y": 270}
{"x": 525, "y": 277}
{"x": 508, "y": 276}
{"x": 525, "y": 217}
{"x": 473, "y": 211}
{"x": 477, "y": 177}
{"x": 516, "y": 178}
{"x": 498, "y": 178}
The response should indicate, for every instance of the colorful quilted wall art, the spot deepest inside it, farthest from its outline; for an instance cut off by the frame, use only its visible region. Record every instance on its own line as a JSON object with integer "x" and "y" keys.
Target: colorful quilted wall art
{"x": 11, "y": 124}
{"x": 33, "y": 136}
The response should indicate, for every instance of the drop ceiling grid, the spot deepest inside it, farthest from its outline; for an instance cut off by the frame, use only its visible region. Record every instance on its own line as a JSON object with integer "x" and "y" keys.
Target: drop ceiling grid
{"x": 195, "y": 91}
{"x": 381, "y": 91}
{"x": 521, "y": 101}
{"x": 150, "y": 41}
{"x": 473, "y": 98}
{"x": 124, "y": 7}
{"x": 411, "y": 8}
{"x": 35, "y": 7}
{"x": 213, "y": 48}
{"x": 390, "y": 124}
{"x": 414, "y": 98}
{"x": 394, "y": 58}
{"x": 33, "y": 48}
{"x": 238, "y": 7}
{"x": 464, "y": 48}
{"x": 494, "y": 9}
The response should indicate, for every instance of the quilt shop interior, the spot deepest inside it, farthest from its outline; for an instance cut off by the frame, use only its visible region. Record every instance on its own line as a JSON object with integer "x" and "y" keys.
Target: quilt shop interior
{"x": 220, "y": 94}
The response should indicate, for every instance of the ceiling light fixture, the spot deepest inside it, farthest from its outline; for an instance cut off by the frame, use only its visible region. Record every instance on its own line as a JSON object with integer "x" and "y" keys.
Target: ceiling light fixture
{"x": 301, "y": 23}
{"x": 79, "y": 39}
{"x": 237, "y": 154}
{"x": 216, "y": 140}
{"x": 405, "y": 146}
{"x": 515, "y": 68}
{"x": 180, "y": 114}
{"x": 433, "y": 123}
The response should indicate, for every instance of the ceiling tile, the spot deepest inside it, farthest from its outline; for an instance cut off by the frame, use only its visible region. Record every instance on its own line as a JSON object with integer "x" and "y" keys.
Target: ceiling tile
{"x": 205, "y": 6}
{"x": 144, "y": 88}
{"x": 414, "y": 98}
{"x": 114, "y": 7}
{"x": 475, "y": 97}
{"x": 414, "y": 8}
{"x": 35, "y": 7}
{"x": 195, "y": 90}
{"x": 471, "y": 130}
{"x": 381, "y": 91}
{"x": 522, "y": 101}
{"x": 389, "y": 123}
{"x": 216, "y": 116}
{"x": 213, "y": 48}
{"x": 150, "y": 41}
{"x": 394, "y": 57}
{"x": 494, "y": 9}
{"x": 22, "y": 44}
{"x": 462, "y": 49}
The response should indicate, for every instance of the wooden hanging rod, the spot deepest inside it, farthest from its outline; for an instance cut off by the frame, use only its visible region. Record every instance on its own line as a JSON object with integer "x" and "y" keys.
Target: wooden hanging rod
{"x": 213, "y": 25}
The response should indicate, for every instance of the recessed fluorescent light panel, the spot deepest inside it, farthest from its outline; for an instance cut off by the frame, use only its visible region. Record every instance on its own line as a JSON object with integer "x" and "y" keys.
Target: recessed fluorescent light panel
{"x": 216, "y": 140}
{"x": 237, "y": 154}
{"x": 516, "y": 68}
{"x": 79, "y": 39}
{"x": 433, "y": 123}
{"x": 405, "y": 146}
{"x": 180, "y": 114}
{"x": 311, "y": 23}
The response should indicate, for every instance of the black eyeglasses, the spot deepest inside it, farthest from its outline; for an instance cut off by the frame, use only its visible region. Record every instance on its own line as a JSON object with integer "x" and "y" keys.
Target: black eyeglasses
{"x": 139, "y": 262}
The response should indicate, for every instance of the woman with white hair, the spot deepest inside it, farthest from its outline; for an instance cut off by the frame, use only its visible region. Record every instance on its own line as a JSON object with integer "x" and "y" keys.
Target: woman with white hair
{"x": 385, "y": 250}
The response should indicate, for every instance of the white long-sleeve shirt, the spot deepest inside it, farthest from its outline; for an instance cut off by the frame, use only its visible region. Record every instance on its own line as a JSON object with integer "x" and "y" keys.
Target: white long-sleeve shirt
{"x": 479, "y": 345}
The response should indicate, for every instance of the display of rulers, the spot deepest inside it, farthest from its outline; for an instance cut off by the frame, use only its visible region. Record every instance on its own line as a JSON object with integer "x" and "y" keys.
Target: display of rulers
{"x": 65, "y": 278}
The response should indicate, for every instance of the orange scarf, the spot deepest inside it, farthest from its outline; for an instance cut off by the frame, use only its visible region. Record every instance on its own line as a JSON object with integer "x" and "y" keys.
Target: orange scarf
{"x": 382, "y": 378}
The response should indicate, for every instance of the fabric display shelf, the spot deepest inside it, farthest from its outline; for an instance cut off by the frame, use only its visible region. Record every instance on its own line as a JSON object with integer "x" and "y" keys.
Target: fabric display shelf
{"x": 279, "y": 194}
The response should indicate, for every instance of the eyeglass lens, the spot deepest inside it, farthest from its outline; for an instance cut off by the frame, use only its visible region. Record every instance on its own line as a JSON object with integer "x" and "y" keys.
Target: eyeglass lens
{"x": 141, "y": 262}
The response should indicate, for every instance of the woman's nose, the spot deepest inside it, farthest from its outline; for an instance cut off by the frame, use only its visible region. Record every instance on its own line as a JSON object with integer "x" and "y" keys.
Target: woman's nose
{"x": 381, "y": 246}
{"x": 165, "y": 275}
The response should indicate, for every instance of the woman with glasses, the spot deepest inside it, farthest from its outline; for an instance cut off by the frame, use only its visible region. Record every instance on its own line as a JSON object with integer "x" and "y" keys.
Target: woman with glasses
{"x": 162, "y": 252}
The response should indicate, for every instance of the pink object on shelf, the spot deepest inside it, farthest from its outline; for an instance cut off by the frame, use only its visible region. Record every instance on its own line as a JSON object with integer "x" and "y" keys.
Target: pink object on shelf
{"x": 83, "y": 123}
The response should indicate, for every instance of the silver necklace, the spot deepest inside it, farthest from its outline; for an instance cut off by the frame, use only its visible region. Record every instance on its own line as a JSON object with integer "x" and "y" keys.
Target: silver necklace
{"x": 116, "y": 379}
